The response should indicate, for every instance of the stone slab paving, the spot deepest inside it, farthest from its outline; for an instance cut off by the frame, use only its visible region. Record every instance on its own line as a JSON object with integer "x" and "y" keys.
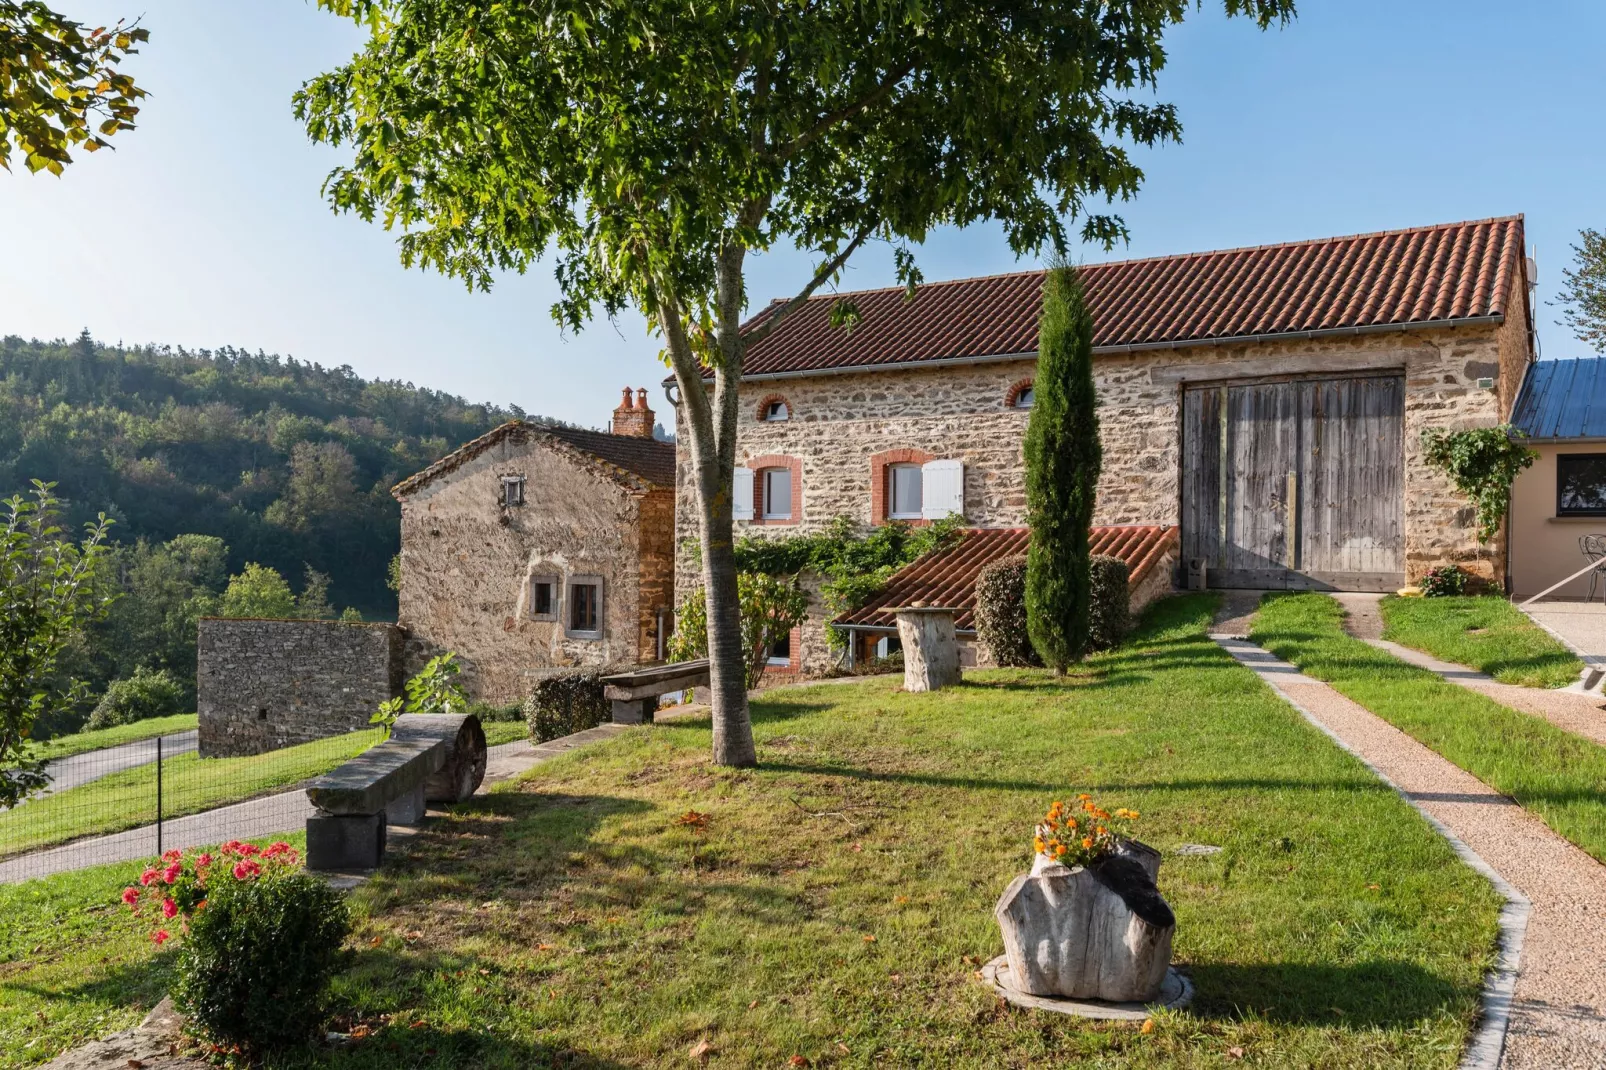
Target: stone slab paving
{"x": 1557, "y": 1004}
{"x": 1580, "y": 625}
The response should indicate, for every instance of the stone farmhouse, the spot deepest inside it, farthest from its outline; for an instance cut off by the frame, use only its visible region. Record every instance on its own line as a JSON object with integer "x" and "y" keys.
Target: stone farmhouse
{"x": 1261, "y": 411}
{"x": 536, "y": 546}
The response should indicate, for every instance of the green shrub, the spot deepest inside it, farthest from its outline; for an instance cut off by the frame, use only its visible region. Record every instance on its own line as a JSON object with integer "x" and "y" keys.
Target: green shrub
{"x": 1110, "y": 609}
{"x": 488, "y": 712}
{"x": 254, "y": 970}
{"x": 564, "y": 702}
{"x": 1001, "y": 613}
{"x": 148, "y": 693}
{"x": 1445, "y": 581}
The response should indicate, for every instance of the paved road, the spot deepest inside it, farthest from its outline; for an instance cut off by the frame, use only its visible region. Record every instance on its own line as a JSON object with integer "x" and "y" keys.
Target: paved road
{"x": 92, "y": 765}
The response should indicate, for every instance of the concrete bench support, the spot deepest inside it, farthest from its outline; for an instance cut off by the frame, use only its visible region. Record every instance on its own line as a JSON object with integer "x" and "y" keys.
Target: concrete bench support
{"x": 634, "y": 695}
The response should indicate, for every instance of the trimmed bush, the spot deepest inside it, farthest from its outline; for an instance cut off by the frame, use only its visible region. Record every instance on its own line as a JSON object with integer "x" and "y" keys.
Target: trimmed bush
{"x": 1001, "y": 613}
{"x": 565, "y": 702}
{"x": 254, "y": 970}
{"x": 1110, "y": 611}
{"x": 488, "y": 712}
{"x": 148, "y": 693}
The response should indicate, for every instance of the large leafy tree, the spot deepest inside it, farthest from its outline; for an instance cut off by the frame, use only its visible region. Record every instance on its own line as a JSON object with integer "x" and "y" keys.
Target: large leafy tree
{"x": 1583, "y": 291}
{"x": 655, "y": 145}
{"x": 60, "y": 86}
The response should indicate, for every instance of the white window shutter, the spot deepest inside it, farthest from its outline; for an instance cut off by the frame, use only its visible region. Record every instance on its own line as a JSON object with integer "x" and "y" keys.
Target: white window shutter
{"x": 742, "y": 494}
{"x": 942, "y": 489}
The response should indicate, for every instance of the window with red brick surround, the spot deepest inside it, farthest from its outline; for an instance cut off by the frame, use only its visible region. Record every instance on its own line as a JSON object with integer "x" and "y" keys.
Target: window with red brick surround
{"x": 794, "y": 655}
{"x": 879, "y": 463}
{"x": 776, "y": 460}
{"x": 1012, "y": 395}
{"x": 762, "y": 412}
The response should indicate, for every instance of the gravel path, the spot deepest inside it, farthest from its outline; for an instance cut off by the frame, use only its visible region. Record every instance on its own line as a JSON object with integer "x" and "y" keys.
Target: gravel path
{"x": 1558, "y": 1014}
{"x": 1572, "y": 711}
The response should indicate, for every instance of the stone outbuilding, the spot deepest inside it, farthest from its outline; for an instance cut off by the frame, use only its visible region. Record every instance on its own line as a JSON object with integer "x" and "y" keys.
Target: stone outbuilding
{"x": 536, "y": 546}
{"x": 1268, "y": 403}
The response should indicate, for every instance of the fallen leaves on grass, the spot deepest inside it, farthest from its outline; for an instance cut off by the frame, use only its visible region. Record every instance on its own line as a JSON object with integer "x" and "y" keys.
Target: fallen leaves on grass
{"x": 701, "y": 1050}
{"x": 1235, "y": 1053}
{"x": 693, "y": 820}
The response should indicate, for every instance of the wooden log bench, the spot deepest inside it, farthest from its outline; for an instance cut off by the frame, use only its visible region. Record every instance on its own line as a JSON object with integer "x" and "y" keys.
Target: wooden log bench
{"x": 428, "y": 758}
{"x": 635, "y": 694}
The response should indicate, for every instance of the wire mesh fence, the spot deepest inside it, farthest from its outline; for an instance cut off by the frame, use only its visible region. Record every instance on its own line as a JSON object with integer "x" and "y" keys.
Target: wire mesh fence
{"x": 138, "y": 799}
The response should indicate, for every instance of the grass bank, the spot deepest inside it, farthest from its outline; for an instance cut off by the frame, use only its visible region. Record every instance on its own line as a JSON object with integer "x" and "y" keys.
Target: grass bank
{"x": 101, "y": 738}
{"x": 1484, "y": 633}
{"x": 1554, "y": 774}
{"x": 190, "y": 784}
{"x": 835, "y": 903}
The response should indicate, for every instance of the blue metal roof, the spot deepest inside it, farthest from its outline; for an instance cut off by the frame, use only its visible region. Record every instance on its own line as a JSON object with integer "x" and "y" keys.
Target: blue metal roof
{"x": 1563, "y": 399}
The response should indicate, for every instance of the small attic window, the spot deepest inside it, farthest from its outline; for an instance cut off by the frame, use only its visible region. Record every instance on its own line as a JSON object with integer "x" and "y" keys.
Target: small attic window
{"x": 777, "y": 410}
{"x": 1023, "y": 399}
{"x": 512, "y": 491}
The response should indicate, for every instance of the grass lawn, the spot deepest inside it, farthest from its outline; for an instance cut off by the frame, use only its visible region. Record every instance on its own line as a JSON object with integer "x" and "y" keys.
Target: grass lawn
{"x": 79, "y": 742}
{"x": 74, "y": 963}
{"x": 1485, "y": 633}
{"x": 839, "y": 901}
{"x": 190, "y": 784}
{"x": 1558, "y": 776}
{"x": 504, "y": 732}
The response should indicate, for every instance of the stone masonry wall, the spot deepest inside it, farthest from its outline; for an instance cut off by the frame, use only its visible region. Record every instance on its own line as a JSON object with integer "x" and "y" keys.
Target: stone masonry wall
{"x": 838, "y": 421}
{"x": 265, "y": 684}
{"x": 467, "y": 561}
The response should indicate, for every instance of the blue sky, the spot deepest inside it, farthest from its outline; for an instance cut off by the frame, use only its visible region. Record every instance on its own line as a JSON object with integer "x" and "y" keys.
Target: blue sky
{"x": 205, "y": 227}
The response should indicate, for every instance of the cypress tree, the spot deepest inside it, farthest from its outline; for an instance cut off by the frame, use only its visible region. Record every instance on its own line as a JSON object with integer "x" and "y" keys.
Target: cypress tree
{"x": 1063, "y": 457}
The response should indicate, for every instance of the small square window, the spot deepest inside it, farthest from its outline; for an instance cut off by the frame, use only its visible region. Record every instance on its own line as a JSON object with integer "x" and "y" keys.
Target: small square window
{"x": 777, "y": 493}
{"x": 543, "y": 603}
{"x": 1581, "y": 484}
{"x": 780, "y": 654}
{"x": 904, "y": 490}
{"x": 512, "y": 490}
{"x": 585, "y": 607}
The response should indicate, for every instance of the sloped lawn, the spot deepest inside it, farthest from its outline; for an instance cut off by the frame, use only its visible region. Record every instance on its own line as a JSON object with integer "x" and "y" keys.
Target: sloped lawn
{"x": 101, "y": 738}
{"x": 1486, "y": 633}
{"x": 835, "y": 904}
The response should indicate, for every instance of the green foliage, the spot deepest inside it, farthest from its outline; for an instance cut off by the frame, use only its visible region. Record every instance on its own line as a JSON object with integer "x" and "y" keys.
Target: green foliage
{"x": 148, "y": 693}
{"x": 1443, "y": 581}
{"x": 771, "y": 606}
{"x": 1583, "y": 291}
{"x": 1484, "y": 632}
{"x": 1001, "y": 613}
{"x": 56, "y": 79}
{"x": 1063, "y": 458}
{"x": 564, "y": 702}
{"x": 1109, "y": 602}
{"x": 48, "y": 594}
{"x": 259, "y": 591}
{"x": 433, "y": 689}
{"x": 1482, "y": 462}
{"x": 172, "y": 442}
{"x": 313, "y": 601}
{"x": 254, "y": 970}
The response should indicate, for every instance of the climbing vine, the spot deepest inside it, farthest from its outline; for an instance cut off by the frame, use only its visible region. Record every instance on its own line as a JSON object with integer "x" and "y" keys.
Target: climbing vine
{"x": 1482, "y": 462}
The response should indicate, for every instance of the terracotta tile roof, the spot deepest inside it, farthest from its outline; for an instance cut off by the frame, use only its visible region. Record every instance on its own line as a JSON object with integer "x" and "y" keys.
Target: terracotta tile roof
{"x": 947, "y": 577}
{"x": 1415, "y": 277}
{"x": 640, "y": 463}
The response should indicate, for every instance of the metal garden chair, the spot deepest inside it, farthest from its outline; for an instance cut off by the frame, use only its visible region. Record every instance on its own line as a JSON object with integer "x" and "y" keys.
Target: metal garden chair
{"x": 1593, "y": 547}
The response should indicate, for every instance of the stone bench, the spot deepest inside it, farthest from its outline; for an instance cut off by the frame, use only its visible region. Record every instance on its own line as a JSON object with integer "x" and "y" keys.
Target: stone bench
{"x": 428, "y": 758}
{"x": 635, "y": 694}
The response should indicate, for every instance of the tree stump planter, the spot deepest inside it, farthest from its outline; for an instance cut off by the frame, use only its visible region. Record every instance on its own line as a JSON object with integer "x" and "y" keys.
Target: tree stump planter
{"x": 1098, "y": 932}
{"x": 930, "y": 647}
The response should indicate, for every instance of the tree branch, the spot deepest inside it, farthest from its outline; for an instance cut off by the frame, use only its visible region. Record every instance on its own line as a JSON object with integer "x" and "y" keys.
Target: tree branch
{"x": 847, "y": 111}
{"x": 830, "y": 268}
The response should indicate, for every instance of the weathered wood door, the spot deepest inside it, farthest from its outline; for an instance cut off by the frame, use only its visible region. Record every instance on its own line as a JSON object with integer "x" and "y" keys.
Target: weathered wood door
{"x": 1296, "y": 483}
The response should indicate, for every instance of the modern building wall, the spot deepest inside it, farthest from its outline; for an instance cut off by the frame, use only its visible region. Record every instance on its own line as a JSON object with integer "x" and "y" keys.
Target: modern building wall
{"x": 1544, "y": 546}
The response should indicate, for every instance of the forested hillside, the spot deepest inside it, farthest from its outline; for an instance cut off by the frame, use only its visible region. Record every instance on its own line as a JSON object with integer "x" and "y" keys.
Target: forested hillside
{"x": 288, "y": 463}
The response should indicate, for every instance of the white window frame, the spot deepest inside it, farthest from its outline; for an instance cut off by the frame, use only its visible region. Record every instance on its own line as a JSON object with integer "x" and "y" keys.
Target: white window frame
{"x": 777, "y": 411}
{"x": 892, "y": 491}
{"x": 764, "y": 474}
{"x": 555, "y": 582}
{"x": 512, "y": 491}
{"x": 570, "y": 602}
{"x": 1025, "y": 396}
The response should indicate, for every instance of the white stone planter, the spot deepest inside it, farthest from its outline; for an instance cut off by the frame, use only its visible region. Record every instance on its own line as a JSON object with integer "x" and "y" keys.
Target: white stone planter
{"x": 1100, "y": 932}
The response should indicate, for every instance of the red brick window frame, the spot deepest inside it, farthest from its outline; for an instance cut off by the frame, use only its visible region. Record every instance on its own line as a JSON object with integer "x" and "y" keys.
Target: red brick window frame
{"x": 1012, "y": 395}
{"x": 776, "y": 460}
{"x": 794, "y": 662}
{"x": 761, "y": 414}
{"x": 880, "y": 463}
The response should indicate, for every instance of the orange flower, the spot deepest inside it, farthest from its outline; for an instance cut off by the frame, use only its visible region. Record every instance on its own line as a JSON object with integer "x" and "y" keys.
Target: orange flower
{"x": 1087, "y": 843}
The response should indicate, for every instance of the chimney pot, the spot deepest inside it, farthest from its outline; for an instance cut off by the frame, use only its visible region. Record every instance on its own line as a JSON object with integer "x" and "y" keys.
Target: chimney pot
{"x": 626, "y": 403}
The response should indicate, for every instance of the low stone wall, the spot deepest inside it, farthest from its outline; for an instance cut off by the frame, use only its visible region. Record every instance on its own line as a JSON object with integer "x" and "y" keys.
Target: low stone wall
{"x": 265, "y": 684}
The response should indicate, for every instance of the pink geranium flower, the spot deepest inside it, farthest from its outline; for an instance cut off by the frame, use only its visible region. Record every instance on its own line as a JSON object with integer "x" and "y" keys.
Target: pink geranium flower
{"x": 172, "y": 872}
{"x": 148, "y": 876}
{"x": 161, "y": 936}
{"x": 246, "y": 869}
{"x": 169, "y": 908}
{"x": 131, "y": 896}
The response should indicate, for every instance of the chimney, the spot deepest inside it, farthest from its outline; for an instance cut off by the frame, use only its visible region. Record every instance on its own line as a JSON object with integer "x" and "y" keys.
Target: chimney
{"x": 633, "y": 418}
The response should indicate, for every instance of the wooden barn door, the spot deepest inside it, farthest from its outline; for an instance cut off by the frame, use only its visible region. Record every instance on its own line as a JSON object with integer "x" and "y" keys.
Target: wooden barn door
{"x": 1296, "y": 483}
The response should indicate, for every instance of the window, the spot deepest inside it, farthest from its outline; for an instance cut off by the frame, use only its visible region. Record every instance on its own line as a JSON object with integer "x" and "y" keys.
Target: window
{"x": 904, "y": 487}
{"x": 777, "y": 493}
{"x": 777, "y": 410}
{"x": 780, "y": 655}
{"x": 888, "y": 645}
{"x": 543, "y": 598}
{"x": 512, "y": 490}
{"x": 1581, "y": 484}
{"x": 1023, "y": 398}
{"x": 585, "y": 607}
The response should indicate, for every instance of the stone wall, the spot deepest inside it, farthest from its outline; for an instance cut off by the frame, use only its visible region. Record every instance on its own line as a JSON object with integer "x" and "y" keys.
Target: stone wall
{"x": 265, "y": 684}
{"x": 468, "y": 560}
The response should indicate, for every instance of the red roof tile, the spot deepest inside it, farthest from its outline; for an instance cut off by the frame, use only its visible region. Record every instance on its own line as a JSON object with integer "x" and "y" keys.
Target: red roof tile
{"x": 947, "y": 577}
{"x": 1414, "y": 277}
